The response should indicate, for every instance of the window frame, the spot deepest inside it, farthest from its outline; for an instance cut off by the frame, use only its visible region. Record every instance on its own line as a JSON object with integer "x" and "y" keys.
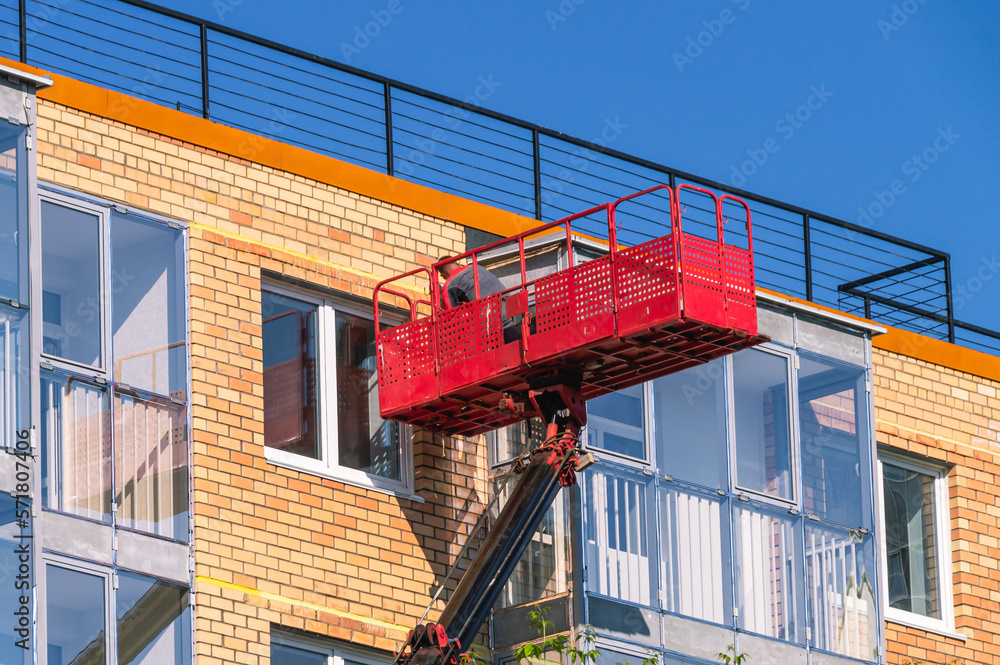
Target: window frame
{"x": 86, "y": 568}
{"x": 791, "y": 359}
{"x": 109, "y": 574}
{"x": 334, "y": 653}
{"x": 103, "y": 213}
{"x": 612, "y": 426}
{"x": 942, "y": 537}
{"x": 327, "y": 307}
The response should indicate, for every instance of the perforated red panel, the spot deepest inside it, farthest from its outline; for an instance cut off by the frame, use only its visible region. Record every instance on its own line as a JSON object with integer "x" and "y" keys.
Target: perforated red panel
{"x": 704, "y": 298}
{"x": 573, "y": 308}
{"x": 741, "y": 298}
{"x": 647, "y": 285}
{"x": 405, "y": 356}
{"x": 593, "y": 288}
{"x": 554, "y": 297}
{"x": 405, "y": 351}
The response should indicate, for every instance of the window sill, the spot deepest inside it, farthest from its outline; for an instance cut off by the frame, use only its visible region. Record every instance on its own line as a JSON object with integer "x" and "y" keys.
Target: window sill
{"x": 922, "y": 623}
{"x": 317, "y": 468}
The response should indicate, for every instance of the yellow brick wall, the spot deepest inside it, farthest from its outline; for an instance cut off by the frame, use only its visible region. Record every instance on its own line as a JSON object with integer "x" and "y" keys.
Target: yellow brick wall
{"x": 274, "y": 546}
{"x": 953, "y": 418}
{"x": 278, "y": 547}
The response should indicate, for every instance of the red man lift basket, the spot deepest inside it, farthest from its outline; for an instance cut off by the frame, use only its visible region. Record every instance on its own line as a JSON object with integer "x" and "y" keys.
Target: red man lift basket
{"x": 630, "y": 316}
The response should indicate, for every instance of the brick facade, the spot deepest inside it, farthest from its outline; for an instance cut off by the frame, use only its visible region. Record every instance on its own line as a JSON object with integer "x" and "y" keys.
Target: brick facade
{"x": 273, "y": 546}
{"x": 276, "y": 547}
{"x": 951, "y": 417}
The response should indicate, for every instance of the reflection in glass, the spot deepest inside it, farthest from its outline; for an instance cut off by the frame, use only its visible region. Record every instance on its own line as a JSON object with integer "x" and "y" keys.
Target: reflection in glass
{"x": 689, "y": 415}
{"x": 285, "y": 655}
{"x": 615, "y": 423}
{"x": 72, "y": 309}
{"x": 13, "y": 374}
{"x": 760, "y": 402}
{"x": 10, "y": 602}
{"x": 543, "y": 568}
{"x": 365, "y": 441}
{"x": 840, "y": 588}
{"x": 768, "y": 572}
{"x": 154, "y": 621}
{"x": 833, "y": 463}
{"x": 513, "y": 440}
{"x": 74, "y": 607}
{"x": 76, "y": 447}
{"x": 147, "y": 305}
{"x": 290, "y": 382}
{"x": 12, "y": 224}
{"x": 696, "y": 563}
{"x": 910, "y": 545}
{"x": 151, "y": 466}
{"x": 620, "y": 531}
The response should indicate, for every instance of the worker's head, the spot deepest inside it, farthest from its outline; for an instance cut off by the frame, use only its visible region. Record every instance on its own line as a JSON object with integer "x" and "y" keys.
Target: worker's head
{"x": 450, "y": 266}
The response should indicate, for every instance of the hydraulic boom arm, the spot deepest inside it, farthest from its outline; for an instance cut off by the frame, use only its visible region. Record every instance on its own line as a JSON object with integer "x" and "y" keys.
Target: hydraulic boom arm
{"x": 550, "y": 466}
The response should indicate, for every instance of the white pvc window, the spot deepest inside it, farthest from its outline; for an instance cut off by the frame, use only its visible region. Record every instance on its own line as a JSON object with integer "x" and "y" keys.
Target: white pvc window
{"x": 916, "y": 545}
{"x": 321, "y": 412}
{"x": 286, "y": 650}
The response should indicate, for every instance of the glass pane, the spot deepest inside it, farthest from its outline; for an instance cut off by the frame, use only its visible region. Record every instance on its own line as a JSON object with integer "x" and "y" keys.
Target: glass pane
{"x": 365, "y": 441}
{"x": 620, "y": 534}
{"x": 13, "y": 373}
{"x": 840, "y": 587}
{"x": 615, "y": 423}
{"x": 543, "y": 568}
{"x": 151, "y": 466}
{"x": 290, "y": 386}
{"x": 147, "y": 306}
{"x": 760, "y": 400}
{"x": 516, "y": 439}
{"x": 154, "y": 621}
{"x": 285, "y": 655}
{"x": 696, "y": 561}
{"x": 768, "y": 572}
{"x": 15, "y": 599}
{"x": 76, "y": 447}
{"x": 831, "y": 428}
{"x": 74, "y": 604}
{"x": 910, "y": 541}
{"x": 12, "y": 222}
{"x": 72, "y": 310}
{"x": 689, "y": 412}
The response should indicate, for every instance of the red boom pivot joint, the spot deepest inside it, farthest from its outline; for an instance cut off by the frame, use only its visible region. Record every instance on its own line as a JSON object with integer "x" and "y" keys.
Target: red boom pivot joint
{"x": 428, "y": 644}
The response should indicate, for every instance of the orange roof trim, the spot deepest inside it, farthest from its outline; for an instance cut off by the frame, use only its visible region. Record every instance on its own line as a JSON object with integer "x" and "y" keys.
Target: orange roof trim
{"x": 268, "y": 152}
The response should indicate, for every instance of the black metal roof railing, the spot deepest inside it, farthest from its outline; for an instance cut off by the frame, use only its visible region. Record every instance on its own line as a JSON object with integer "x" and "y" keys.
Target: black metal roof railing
{"x": 303, "y": 99}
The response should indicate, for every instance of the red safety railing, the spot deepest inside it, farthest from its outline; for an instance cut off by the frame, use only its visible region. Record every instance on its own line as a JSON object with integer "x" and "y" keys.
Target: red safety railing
{"x": 625, "y": 317}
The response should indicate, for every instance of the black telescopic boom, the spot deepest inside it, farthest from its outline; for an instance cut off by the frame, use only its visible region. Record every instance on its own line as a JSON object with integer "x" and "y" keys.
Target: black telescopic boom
{"x": 479, "y": 588}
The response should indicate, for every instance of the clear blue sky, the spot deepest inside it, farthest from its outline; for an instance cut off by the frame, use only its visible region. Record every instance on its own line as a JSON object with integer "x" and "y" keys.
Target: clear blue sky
{"x": 888, "y": 82}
